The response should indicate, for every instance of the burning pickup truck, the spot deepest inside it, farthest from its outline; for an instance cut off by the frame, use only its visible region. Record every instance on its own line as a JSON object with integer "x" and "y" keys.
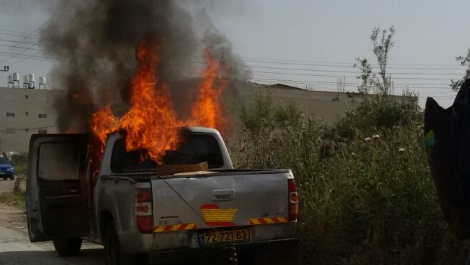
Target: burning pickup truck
{"x": 194, "y": 202}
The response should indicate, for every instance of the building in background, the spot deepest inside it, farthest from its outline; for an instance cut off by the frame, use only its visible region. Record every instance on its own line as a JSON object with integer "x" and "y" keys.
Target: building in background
{"x": 24, "y": 112}
{"x": 329, "y": 106}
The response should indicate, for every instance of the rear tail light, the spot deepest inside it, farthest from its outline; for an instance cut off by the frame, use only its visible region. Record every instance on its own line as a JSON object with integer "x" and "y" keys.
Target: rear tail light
{"x": 143, "y": 210}
{"x": 293, "y": 200}
{"x": 143, "y": 195}
{"x": 145, "y": 224}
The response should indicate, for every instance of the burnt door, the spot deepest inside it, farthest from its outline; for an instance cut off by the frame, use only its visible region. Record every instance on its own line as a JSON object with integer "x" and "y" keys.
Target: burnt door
{"x": 55, "y": 191}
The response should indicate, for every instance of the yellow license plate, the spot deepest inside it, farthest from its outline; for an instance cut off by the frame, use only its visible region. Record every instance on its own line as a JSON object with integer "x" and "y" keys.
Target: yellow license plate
{"x": 227, "y": 236}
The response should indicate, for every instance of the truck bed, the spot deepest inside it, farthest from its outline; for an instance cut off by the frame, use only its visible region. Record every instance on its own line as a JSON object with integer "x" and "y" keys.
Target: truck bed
{"x": 187, "y": 206}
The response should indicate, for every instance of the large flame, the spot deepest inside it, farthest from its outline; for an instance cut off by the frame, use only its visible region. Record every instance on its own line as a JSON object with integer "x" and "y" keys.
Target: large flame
{"x": 208, "y": 111}
{"x": 151, "y": 122}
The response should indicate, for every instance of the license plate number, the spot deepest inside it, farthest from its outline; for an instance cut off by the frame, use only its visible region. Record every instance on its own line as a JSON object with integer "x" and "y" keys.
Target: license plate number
{"x": 228, "y": 236}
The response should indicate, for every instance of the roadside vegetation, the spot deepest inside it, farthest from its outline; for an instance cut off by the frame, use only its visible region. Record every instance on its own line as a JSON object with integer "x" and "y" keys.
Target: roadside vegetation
{"x": 367, "y": 196}
{"x": 21, "y": 163}
{"x": 15, "y": 199}
{"x": 366, "y": 192}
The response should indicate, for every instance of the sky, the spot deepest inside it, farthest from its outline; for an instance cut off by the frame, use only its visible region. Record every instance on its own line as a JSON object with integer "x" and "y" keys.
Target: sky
{"x": 304, "y": 43}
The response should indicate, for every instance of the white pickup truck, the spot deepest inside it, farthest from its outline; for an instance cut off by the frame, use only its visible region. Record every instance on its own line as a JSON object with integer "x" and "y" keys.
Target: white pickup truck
{"x": 142, "y": 212}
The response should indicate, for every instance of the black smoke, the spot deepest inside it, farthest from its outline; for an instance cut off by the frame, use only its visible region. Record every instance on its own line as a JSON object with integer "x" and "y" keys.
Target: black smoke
{"x": 94, "y": 42}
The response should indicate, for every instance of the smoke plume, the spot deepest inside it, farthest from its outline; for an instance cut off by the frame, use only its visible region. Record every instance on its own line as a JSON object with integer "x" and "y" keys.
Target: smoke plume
{"x": 95, "y": 43}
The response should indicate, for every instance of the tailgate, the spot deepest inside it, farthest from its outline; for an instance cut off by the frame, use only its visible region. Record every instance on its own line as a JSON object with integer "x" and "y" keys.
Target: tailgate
{"x": 220, "y": 199}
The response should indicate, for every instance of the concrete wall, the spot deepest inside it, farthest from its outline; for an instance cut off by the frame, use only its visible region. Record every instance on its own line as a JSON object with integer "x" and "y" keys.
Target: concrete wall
{"x": 329, "y": 106}
{"x": 28, "y": 104}
{"x": 24, "y": 112}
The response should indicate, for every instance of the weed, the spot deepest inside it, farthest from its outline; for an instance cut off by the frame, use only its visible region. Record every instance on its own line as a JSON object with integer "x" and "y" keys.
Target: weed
{"x": 13, "y": 199}
{"x": 21, "y": 163}
{"x": 366, "y": 192}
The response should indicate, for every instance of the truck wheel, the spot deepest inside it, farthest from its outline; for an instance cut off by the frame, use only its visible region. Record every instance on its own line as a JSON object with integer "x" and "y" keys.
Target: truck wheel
{"x": 112, "y": 249}
{"x": 67, "y": 246}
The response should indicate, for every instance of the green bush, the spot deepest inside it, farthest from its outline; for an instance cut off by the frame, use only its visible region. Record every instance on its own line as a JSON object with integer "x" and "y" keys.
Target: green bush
{"x": 366, "y": 192}
{"x": 21, "y": 163}
{"x": 15, "y": 199}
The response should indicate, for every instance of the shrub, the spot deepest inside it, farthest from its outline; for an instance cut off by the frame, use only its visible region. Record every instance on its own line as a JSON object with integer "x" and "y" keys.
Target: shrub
{"x": 366, "y": 192}
{"x": 21, "y": 163}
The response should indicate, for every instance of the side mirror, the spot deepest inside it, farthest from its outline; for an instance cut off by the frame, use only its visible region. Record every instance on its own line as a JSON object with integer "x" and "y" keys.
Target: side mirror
{"x": 12, "y": 163}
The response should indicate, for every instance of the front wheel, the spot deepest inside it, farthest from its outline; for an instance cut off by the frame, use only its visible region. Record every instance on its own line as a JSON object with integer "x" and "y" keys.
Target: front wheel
{"x": 114, "y": 254}
{"x": 67, "y": 246}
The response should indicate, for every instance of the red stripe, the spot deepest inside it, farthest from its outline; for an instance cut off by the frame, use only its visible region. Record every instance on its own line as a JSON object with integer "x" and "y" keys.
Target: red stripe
{"x": 261, "y": 220}
{"x": 167, "y": 228}
{"x": 183, "y": 226}
{"x": 210, "y": 206}
{"x": 275, "y": 220}
{"x": 220, "y": 223}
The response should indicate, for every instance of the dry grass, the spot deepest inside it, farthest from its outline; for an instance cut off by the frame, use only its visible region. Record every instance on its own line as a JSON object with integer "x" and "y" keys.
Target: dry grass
{"x": 13, "y": 199}
{"x": 366, "y": 191}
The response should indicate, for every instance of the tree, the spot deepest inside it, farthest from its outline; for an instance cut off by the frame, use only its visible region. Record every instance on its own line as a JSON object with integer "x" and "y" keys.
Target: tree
{"x": 381, "y": 81}
{"x": 464, "y": 61}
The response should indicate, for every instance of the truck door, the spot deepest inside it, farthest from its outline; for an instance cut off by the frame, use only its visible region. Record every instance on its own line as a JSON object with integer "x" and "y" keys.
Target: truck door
{"x": 56, "y": 204}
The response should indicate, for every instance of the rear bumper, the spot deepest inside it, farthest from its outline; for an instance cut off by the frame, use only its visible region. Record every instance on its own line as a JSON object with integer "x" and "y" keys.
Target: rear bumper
{"x": 287, "y": 242}
{"x": 216, "y": 252}
{"x": 135, "y": 242}
{"x": 6, "y": 174}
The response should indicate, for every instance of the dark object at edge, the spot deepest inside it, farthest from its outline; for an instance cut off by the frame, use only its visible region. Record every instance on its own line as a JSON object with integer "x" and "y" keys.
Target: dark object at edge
{"x": 447, "y": 141}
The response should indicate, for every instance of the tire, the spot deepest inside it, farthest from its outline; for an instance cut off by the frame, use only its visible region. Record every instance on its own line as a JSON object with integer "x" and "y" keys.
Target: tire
{"x": 114, "y": 254}
{"x": 12, "y": 178}
{"x": 67, "y": 246}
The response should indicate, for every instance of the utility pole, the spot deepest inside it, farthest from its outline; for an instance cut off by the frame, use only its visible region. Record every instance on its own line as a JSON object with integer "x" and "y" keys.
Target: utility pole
{"x": 6, "y": 68}
{"x": 341, "y": 84}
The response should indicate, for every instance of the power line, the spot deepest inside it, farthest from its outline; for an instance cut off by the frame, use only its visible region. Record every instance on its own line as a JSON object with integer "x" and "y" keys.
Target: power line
{"x": 21, "y": 42}
{"x": 34, "y": 49}
{"x": 427, "y": 86}
{"x": 349, "y": 76}
{"x": 29, "y": 66}
{"x": 38, "y": 28}
{"x": 342, "y": 71}
{"x": 308, "y": 62}
{"x": 16, "y": 35}
{"x": 33, "y": 57}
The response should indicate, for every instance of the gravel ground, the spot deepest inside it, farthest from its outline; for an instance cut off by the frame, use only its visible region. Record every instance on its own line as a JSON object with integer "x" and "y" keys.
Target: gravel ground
{"x": 16, "y": 248}
{"x": 6, "y": 185}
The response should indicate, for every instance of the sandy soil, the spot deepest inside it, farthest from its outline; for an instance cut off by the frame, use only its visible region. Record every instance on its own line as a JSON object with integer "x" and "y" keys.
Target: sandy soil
{"x": 16, "y": 248}
{"x": 6, "y": 185}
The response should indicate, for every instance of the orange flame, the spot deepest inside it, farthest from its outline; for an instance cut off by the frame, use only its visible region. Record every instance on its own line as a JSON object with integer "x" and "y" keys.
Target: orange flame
{"x": 207, "y": 111}
{"x": 151, "y": 122}
{"x": 104, "y": 123}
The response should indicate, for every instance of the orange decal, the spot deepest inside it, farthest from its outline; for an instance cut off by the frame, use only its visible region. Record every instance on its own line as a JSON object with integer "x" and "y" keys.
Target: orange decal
{"x": 173, "y": 228}
{"x": 269, "y": 220}
{"x": 214, "y": 216}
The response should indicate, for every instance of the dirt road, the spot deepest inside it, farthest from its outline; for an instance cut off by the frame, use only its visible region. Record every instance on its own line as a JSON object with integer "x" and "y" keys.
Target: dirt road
{"x": 6, "y": 185}
{"x": 16, "y": 249}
